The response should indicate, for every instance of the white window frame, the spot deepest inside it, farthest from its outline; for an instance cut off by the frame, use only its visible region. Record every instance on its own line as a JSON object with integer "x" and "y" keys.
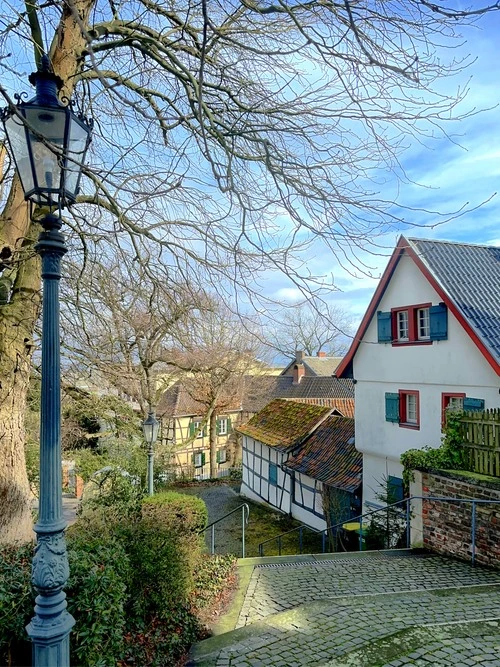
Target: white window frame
{"x": 403, "y": 325}
{"x": 411, "y": 409}
{"x": 222, "y": 455}
{"x": 197, "y": 429}
{"x": 223, "y": 421}
{"x": 198, "y": 460}
{"x": 455, "y": 403}
{"x": 423, "y": 324}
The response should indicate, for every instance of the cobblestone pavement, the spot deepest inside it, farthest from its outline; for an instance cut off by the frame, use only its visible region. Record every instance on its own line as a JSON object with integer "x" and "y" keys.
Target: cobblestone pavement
{"x": 373, "y": 611}
{"x": 273, "y": 589}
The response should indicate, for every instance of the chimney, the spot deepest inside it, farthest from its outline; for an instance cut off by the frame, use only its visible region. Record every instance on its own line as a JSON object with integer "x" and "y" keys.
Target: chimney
{"x": 299, "y": 356}
{"x": 321, "y": 355}
{"x": 298, "y": 373}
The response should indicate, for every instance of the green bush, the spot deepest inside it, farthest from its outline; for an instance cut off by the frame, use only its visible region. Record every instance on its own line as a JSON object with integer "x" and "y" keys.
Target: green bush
{"x": 16, "y": 604}
{"x": 96, "y": 598}
{"x": 137, "y": 582}
{"x": 449, "y": 456}
{"x": 115, "y": 489}
{"x": 210, "y": 579}
{"x": 178, "y": 511}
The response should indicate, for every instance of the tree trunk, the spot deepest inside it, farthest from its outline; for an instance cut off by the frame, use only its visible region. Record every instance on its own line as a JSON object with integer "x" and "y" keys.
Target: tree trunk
{"x": 213, "y": 444}
{"x": 17, "y": 319}
{"x": 19, "y": 312}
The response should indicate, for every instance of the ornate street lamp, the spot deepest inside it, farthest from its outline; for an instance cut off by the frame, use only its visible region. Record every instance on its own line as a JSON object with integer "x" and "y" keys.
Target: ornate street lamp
{"x": 150, "y": 428}
{"x": 48, "y": 142}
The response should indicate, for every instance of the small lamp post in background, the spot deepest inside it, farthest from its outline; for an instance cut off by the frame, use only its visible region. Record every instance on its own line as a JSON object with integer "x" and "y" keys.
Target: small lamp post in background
{"x": 49, "y": 142}
{"x": 150, "y": 428}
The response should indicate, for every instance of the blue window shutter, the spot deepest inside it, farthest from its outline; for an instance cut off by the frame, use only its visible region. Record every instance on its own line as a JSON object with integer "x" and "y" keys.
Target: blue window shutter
{"x": 384, "y": 327}
{"x": 438, "y": 316}
{"x": 474, "y": 404}
{"x": 392, "y": 408}
{"x": 273, "y": 474}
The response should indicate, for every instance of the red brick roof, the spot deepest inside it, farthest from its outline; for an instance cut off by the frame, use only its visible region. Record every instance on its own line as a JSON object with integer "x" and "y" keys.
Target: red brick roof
{"x": 329, "y": 455}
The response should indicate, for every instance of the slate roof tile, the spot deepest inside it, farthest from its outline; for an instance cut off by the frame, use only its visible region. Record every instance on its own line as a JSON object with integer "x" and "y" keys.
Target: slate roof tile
{"x": 470, "y": 274}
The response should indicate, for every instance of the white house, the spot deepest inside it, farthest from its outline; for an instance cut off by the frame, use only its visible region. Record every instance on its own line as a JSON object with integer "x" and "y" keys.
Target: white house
{"x": 291, "y": 450}
{"x": 429, "y": 341}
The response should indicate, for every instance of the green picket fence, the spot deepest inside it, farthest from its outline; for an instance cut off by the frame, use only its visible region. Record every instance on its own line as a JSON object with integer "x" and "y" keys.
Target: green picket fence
{"x": 481, "y": 439}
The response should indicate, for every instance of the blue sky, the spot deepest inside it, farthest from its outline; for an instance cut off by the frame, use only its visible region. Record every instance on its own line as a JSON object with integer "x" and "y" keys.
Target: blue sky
{"x": 445, "y": 175}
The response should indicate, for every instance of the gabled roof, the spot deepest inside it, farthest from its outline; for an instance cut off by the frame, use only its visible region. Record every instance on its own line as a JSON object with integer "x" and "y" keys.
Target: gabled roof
{"x": 284, "y": 424}
{"x": 258, "y": 390}
{"x": 329, "y": 455}
{"x": 466, "y": 278}
{"x": 315, "y": 366}
{"x": 342, "y": 406}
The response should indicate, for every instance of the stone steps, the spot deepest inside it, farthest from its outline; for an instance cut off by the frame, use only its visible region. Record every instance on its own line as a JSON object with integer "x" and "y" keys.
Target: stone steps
{"x": 337, "y": 611}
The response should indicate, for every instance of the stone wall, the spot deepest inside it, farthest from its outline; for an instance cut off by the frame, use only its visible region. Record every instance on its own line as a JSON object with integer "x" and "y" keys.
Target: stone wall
{"x": 445, "y": 527}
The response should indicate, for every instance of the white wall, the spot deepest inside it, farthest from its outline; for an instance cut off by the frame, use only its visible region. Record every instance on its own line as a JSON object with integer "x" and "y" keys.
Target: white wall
{"x": 255, "y": 483}
{"x": 311, "y": 500}
{"x": 452, "y": 365}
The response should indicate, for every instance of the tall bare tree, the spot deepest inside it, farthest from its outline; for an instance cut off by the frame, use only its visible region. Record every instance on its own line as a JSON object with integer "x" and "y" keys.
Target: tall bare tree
{"x": 323, "y": 328}
{"x": 123, "y": 327}
{"x": 231, "y": 134}
{"x": 217, "y": 353}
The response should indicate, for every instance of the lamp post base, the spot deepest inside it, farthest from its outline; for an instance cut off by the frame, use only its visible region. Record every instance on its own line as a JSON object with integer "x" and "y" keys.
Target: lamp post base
{"x": 49, "y": 631}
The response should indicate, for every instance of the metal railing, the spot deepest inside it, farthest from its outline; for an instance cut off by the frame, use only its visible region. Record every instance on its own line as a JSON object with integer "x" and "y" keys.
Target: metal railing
{"x": 404, "y": 515}
{"x": 245, "y": 513}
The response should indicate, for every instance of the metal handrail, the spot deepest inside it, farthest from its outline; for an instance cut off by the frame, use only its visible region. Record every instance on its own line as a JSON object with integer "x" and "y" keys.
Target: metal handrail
{"x": 332, "y": 527}
{"x": 245, "y": 514}
{"x": 360, "y": 517}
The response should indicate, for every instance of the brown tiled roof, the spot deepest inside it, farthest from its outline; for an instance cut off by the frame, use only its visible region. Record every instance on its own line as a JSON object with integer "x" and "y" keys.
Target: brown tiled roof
{"x": 284, "y": 423}
{"x": 315, "y": 366}
{"x": 258, "y": 390}
{"x": 329, "y": 455}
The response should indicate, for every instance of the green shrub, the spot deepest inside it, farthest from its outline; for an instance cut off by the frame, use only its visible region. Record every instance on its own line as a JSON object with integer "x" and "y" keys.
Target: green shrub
{"x": 210, "y": 579}
{"x": 178, "y": 511}
{"x": 449, "y": 456}
{"x": 97, "y": 597}
{"x": 115, "y": 489}
{"x": 87, "y": 462}
{"x": 16, "y": 604}
{"x": 136, "y": 583}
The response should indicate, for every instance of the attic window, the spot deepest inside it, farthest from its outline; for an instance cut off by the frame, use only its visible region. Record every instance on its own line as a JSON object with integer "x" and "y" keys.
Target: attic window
{"x": 413, "y": 325}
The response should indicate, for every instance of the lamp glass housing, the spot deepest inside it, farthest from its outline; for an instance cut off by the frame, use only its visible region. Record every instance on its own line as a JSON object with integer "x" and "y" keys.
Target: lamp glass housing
{"x": 150, "y": 428}
{"x": 49, "y": 144}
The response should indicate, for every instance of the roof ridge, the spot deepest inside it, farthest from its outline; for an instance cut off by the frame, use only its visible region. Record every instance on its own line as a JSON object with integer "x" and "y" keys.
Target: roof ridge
{"x": 459, "y": 243}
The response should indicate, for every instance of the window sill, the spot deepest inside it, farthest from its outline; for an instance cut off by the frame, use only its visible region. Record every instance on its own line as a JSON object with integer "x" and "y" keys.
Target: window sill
{"x": 409, "y": 343}
{"x": 413, "y": 427}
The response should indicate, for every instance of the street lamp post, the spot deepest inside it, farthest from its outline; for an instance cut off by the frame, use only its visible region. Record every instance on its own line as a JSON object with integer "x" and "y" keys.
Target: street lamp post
{"x": 48, "y": 142}
{"x": 150, "y": 428}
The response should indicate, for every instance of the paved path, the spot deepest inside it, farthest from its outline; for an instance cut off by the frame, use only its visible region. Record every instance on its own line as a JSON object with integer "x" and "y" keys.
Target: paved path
{"x": 70, "y": 504}
{"x": 220, "y": 500}
{"x": 363, "y": 610}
